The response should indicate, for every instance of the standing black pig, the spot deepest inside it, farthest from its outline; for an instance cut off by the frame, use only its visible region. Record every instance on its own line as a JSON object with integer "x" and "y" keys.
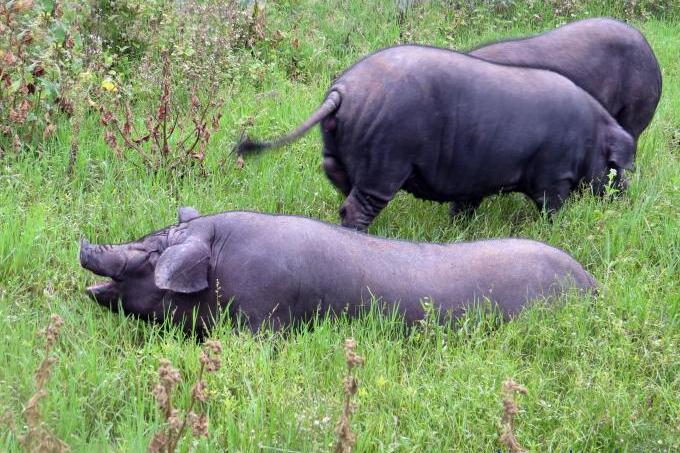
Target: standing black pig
{"x": 609, "y": 59}
{"x": 446, "y": 126}
{"x": 281, "y": 269}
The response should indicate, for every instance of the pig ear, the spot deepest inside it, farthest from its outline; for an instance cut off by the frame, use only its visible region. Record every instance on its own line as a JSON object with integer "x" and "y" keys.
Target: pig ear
{"x": 621, "y": 150}
{"x": 186, "y": 213}
{"x": 183, "y": 268}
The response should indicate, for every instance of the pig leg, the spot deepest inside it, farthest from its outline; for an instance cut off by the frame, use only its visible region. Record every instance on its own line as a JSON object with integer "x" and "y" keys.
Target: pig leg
{"x": 553, "y": 198}
{"x": 271, "y": 323}
{"x": 620, "y": 182}
{"x": 361, "y": 207}
{"x": 365, "y": 201}
{"x": 463, "y": 208}
{"x": 337, "y": 174}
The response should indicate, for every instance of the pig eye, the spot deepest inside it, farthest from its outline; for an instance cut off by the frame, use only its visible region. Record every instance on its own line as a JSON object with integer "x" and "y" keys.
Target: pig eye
{"x": 136, "y": 261}
{"x": 153, "y": 257}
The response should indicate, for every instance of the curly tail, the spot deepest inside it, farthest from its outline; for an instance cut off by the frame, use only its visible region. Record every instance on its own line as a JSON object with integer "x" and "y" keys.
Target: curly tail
{"x": 329, "y": 105}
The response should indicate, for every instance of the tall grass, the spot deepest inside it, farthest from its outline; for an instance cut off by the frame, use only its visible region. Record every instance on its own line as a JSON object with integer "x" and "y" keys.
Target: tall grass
{"x": 602, "y": 375}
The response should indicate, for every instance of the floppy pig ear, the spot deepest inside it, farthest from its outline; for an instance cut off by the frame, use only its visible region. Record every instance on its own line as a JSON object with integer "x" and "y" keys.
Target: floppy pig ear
{"x": 621, "y": 150}
{"x": 183, "y": 268}
{"x": 186, "y": 213}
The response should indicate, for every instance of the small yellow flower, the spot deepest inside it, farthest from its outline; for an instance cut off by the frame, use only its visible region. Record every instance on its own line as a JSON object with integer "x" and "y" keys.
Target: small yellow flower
{"x": 108, "y": 85}
{"x": 381, "y": 381}
{"x": 86, "y": 76}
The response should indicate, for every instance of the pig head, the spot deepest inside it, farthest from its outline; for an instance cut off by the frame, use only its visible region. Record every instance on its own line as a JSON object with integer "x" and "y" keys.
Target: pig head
{"x": 162, "y": 274}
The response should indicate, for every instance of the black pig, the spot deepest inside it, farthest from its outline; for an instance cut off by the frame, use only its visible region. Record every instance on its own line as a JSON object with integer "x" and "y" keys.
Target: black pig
{"x": 609, "y": 59}
{"x": 446, "y": 126}
{"x": 276, "y": 270}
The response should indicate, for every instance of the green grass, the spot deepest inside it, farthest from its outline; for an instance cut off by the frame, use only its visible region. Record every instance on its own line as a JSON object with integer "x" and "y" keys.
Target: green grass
{"x": 601, "y": 374}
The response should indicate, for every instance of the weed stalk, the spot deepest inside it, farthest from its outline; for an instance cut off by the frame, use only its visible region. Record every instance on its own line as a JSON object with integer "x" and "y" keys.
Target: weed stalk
{"x": 166, "y": 440}
{"x": 346, "y": 439}
{"x": 38, "y": 438}
{"x": 510, "y": 411}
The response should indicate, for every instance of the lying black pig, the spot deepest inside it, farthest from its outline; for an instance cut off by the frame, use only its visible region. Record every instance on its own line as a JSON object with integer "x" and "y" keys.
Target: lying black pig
{"x": 446, "y": 126}
{"x": 279, "y": 269}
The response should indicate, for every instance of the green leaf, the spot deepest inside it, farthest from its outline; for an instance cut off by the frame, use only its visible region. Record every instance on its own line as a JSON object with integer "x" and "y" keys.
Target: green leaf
{"x": 14, "y": 87}
{"x": 51, "y": 89}
{"x": 58, "y": 33}
{"x": 47, "y": 5}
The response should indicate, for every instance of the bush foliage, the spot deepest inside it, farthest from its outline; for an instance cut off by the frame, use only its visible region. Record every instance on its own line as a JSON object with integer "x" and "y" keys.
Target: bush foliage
{"x": 41, "y": 53}
{"x": 59, "y": 57}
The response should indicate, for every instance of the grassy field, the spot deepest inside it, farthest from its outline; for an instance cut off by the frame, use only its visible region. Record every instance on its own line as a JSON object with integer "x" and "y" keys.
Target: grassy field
{"x": 601, "y": 375}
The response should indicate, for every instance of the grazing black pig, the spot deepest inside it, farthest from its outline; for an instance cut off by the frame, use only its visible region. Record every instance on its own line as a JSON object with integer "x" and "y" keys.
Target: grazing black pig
{"x": 609, "y": 59}
{"x": 279, "y": 269}
{"x": 446, "y": 126}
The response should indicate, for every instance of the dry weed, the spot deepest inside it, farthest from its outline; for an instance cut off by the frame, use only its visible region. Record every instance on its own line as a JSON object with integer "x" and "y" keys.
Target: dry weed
{"x": 171, "y": 136}
{"x": 346, "y": 439}
{"x": 510, "y": 410}
{"x": 166, "y": 441}
{"x": 256, "y": 21}
{"x": 38, "y": 437}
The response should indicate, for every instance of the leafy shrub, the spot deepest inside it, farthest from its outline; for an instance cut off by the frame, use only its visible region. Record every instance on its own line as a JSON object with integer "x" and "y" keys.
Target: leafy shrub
{"x": 119, "y": 24}
{"x": 202, "y": 40}
{"x": 169, "y": 134}
{"x": 192, "y": 51}
{"x": 40, "y": 47}
{"x": 55, "y": 53}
